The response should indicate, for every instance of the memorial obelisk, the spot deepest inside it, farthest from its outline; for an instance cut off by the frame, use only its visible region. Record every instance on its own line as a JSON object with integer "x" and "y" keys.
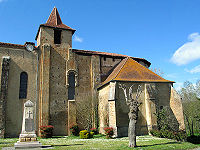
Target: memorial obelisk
{"x": 28, "y": 138}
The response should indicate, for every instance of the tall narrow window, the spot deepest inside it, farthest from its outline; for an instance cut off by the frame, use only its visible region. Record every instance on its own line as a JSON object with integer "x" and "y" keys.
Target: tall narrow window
{"x": 57, "y": 36}
{"x": 71, "y": 87}
{"x": 23, "y": 85}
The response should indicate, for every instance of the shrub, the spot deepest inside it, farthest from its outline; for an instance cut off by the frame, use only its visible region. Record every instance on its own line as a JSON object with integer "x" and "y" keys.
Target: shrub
{"x": 46, "y": 131}
{"x": 109, "y": 132}
{"x": 156, "y": 133}
{"x": 167, "y": 134}
{"x": 179, "y": 135}
{"x": 84, "y": 134}
{"x": 193, "y": 139}
{"x": 94, "y": 130}
{"x": 74, "y": 129}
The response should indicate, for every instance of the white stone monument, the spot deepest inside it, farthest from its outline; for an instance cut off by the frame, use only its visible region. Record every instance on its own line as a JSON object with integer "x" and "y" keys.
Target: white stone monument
{"x": 28, "y": 138}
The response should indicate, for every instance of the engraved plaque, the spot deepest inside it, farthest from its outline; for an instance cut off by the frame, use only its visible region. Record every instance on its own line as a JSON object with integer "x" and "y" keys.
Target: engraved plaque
{"x": 29, "y": 125}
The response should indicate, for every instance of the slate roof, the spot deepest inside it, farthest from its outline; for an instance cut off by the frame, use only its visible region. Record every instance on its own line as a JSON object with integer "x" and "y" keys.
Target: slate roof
{"x": 130, "y": 70}
{"x": 54, "y": 21}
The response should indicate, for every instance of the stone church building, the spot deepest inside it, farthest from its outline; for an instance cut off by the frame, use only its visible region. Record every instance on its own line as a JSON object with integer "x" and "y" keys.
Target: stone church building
{"x": 61, "y": 81}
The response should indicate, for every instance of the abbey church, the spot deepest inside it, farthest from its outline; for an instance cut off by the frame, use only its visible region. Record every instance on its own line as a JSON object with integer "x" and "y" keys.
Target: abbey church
{"x": 63, "y": 82}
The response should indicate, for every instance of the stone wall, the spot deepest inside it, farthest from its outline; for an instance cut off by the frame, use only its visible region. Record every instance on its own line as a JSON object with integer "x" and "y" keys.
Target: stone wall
{"x": 103, "y": 108}
{"x": 58, "y": 91}
{"x": 122, "y": 110}
{"x": 106, "y": 65}
{"x": 177, "y": 108}
{"x": 164, "y": 95}
{"x": 154, "y": 96}
{"x": 83, "y": 92}
{"x": 5, "y": 65}
{"x": 95, "y": 71}
{"x": 20, "y": 60}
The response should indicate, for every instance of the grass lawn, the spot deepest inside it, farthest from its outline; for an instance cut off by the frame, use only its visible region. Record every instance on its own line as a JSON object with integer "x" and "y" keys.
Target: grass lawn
{"x": 100, "y": 142}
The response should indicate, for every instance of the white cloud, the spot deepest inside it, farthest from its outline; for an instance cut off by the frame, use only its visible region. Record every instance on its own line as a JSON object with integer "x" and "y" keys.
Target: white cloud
{"x": 78, "y": 39}
{"x": 194, "y": 70}
{"x": 189, "y": 51}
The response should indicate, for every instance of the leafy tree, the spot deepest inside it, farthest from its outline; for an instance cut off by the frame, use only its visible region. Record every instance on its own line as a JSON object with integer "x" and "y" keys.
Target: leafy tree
{"x": 191, "y": 106}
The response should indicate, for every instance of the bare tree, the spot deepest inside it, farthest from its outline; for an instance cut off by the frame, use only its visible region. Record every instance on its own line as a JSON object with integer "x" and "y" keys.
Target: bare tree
{"x": 86, "y": 110}
{"x": 158, "y": 71}
{"x": 133, "y": 105}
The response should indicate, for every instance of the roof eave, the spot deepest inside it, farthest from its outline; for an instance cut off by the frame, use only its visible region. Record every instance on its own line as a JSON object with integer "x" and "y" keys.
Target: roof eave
{"x": 104, "y": 54}
{"x": 167, "y": 81}
{"x": 42, "y": 25}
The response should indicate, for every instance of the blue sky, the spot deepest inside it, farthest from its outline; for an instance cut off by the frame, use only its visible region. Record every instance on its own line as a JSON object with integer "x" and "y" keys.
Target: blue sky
{"x": 166, "y": 33}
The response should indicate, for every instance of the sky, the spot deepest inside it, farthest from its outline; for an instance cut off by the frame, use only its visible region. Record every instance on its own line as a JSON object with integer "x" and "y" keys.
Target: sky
{"x": 164, "y": 32}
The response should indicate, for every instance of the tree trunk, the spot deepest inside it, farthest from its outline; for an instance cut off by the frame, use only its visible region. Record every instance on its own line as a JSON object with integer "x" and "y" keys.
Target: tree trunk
{"x": 132, "y": 133}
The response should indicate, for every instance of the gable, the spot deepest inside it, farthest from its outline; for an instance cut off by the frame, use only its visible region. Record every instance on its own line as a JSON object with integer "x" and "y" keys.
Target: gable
{"x": 130, "y": 70}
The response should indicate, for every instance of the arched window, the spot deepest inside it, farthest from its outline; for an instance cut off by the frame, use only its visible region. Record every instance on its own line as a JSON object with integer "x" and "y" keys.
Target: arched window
{"x": 71, "y": 85}
{"x": 23, "y": 85}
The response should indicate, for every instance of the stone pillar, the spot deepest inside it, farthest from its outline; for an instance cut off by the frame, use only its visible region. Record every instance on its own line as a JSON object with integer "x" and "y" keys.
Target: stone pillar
{"x": 4, "y": 93}
{"x": 112, "y": 108}
{"x": 71, "y": 67}
{"x": 71, "y": 114}
{"x": 44, "y": 85}
{"x": 28, "y": 138}
{"x": 148, "y": 110}
{"x": 150, "y": 105}
{"x": 95, "y": 82}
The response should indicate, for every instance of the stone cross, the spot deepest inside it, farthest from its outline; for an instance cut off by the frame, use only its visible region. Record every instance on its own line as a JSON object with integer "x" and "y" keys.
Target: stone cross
{"x": 28, "y": 138}
{"x": 29, "y": 114}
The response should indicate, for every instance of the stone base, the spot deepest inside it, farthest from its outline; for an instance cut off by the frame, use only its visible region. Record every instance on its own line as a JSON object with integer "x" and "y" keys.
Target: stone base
{"x": 27, "y": 139}
{"x": 26, "y": 145}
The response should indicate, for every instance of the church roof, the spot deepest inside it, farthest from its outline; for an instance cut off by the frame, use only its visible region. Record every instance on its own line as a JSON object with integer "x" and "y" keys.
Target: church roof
{"x": 10, "y": 45}
{"x": 54, "y": 21}
{"x": 130, "y": 70}
{"x": 109, "y": 54}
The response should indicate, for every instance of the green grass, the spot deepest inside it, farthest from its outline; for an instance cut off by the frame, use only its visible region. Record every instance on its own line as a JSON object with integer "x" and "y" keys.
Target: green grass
{"x": 100, "y": 142}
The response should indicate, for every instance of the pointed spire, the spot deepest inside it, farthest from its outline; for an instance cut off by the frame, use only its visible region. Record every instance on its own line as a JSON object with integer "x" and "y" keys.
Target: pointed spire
{"x": 54, "y": 21}
{"x": 54, "y": 18}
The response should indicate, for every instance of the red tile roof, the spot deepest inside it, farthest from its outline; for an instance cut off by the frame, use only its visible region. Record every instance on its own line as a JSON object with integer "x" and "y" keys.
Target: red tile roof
{"x": 109, "y": 54}
{"x": 10, "y": 45}
{"x": 54, "y": 21}
{"x": 130, "y": 70}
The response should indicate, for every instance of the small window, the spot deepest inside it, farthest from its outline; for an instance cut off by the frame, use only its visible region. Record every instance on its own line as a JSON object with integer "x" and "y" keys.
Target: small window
{"x": 71, "y": 87}
{"x": 23, "y": 85}
{"x": 57, "y": 36}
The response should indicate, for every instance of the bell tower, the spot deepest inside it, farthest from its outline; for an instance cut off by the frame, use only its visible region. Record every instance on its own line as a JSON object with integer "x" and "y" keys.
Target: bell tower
{"x": 54, "y": 32}
{"x": 54, "y": 40}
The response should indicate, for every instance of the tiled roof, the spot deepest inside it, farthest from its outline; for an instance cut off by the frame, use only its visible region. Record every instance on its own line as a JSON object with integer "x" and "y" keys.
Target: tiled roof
{"x": 130, "y": 70}
{"x": 54, "y": 21}
{"x": 109, "y": 54}
{"x": 10, "y": 45}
